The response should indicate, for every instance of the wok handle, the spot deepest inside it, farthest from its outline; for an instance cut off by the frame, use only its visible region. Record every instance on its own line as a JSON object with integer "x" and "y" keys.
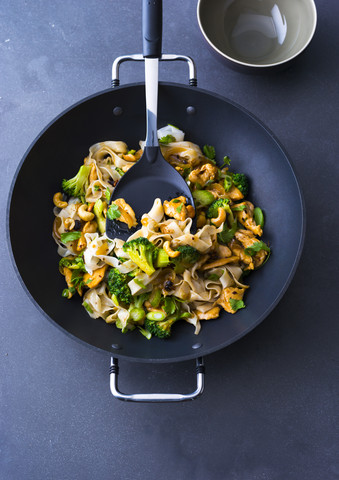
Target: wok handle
{"x": 152, "y": 28}
{"x": 156, "y": 397}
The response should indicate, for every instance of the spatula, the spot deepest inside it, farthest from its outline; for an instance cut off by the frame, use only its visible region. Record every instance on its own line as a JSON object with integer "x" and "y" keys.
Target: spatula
{"x": 152, "y": 176}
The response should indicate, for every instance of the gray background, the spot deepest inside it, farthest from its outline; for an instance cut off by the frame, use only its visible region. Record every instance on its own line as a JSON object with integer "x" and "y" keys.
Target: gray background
{"x": 270, "y": 409}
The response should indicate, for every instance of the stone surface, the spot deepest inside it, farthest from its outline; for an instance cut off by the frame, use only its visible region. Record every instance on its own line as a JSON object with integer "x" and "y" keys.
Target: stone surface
{"x": 270, "y": 408}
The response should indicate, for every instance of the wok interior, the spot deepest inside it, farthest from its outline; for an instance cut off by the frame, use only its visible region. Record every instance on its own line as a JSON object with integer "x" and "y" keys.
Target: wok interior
{"x": 60, "y": 150}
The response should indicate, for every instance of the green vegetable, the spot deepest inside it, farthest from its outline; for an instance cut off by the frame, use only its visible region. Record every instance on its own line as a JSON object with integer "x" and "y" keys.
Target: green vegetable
{"x": 161, "y": 258}
{"x": 76, "y": 186}
{"x": 238, "y": 208}
{"x": 226, "y": 161}
{"x": 96, "y": 188}
{"x": 203, "y": 197}
{"x": 99, "y": 215}
{"x": 167, "y": 139}
{"x": 155, "y": 298}
{"x": 107, "y": 195}
{"x": 241, "y": 181}
{"x": 213, "y": 277}
{"x": 140, "y": 251}
{"x": 145, "y": 333}
{"x": 77, "y": 278}
{"x": 120, "y": 172}
{"x": 187, "y": 258}
{"x": 162, "y": 328}
{"x": 113, "y": 212}
{"x": 259, "y": 217}
{"x": 212, "y": 211}
{"x": 131, "y": 152}
{"x": 227, "y": 183}
{"x": 139, "y": 283}
{"x": 170, "y": 305}
{"x": 73, "y": 263}
{"x": 70, "y": 236}
{"x": 68, "y": 292}
{"x": 156, "y": 316}
{"x": 87, "y": 306}
{"x": 256, "y": 247}
{"x": 137, "y": 314}
{"x": 236, "y": 304}
{"x": 209, "y": 151}
{"x": 228, "y": 233}
{"x": 117, "y": 283}
{"x": 178, "y": 209}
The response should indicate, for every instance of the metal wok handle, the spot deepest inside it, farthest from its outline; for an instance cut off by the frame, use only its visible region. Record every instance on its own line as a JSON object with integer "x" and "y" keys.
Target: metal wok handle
{"x": 156, "y": 397}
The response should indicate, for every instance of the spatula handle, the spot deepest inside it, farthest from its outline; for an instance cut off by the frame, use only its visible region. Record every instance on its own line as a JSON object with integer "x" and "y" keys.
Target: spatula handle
{"x": 152, "y": 28}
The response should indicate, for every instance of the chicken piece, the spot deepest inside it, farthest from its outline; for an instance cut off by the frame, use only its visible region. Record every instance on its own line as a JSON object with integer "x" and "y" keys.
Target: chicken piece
{"x": 203, "y": 174}
{"x": 213, "y": 313}
{"x": 228, "y": 293}
{"x": 127, "y": 214}
{"x": 245, "y": 217}
{"x": 234, "y": 194}
{"x": 177, "y": 209}
{"x": 239, "y": 251}
{"x": 92, "y": 280}
{"x": 217, "y": 190}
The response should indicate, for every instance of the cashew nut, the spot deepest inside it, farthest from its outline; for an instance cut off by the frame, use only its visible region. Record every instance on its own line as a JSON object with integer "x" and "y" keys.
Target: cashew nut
{"x": 84, "y": 214}
{"x": 171, "y": 253}
{"x": 190, "y": 211}
{"x": 90, "y": 227}
{"x": 58, "y": 202}
{"x": 69, "y": 223}
{"x": 220, "y": 218}
{"x": 201, "y": 220}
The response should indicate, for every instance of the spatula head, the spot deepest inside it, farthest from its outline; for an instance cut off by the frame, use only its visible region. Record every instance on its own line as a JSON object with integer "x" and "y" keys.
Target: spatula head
{"x": 150, "y": 178}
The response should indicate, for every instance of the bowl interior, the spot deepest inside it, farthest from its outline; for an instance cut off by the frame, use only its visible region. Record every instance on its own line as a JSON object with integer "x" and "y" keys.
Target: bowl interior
{"x": 258, "y": 32}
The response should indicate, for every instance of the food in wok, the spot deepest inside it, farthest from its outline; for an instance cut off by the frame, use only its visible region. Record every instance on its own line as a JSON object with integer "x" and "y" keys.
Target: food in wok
{"x": 164, "y": 272}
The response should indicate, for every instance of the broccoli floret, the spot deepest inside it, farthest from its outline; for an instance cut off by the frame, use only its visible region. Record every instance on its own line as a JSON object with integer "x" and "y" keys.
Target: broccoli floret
{"x": 212, "y": 211}
{"x": 99, "y": 215}
{"x": 241, "y": 181}
{"x": 76, "y": 186}
{"x": 141, "y": 250}
{"x": 161, "y": 329}
{"x": 187, "y": 258}
{"x": 118, "y": 285}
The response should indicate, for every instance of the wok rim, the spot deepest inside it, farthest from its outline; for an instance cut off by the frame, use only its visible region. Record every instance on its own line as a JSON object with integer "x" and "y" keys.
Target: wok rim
{"x": 196, "y": 353}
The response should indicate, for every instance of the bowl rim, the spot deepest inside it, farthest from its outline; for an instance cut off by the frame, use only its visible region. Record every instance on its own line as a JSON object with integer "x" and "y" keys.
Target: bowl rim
{"x": 255, "y": 65}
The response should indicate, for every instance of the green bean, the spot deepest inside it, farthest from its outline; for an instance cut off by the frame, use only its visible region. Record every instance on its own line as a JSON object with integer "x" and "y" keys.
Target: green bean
{"x": 258, "y": 216}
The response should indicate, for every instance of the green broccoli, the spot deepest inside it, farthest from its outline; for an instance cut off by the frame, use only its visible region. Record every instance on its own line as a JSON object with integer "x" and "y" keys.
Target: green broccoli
{"x": 141, "y": 251}
{"x": 212, "y": 211}
{"x": 241, "y": 181}
{"x": 118, "y": 285}
{"x": 161, "y": 329}
{"x": 76, "y": 186}
{"x": 99, "y": 215}
{"x": 187, "y": 258}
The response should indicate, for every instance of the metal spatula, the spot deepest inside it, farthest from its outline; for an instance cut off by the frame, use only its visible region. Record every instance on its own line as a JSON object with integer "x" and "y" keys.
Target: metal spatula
{"x": 152, "y": 176}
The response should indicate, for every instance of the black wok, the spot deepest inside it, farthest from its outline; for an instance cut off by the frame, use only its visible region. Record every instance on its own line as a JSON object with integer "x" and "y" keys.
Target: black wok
{"x": 61, "y": 147}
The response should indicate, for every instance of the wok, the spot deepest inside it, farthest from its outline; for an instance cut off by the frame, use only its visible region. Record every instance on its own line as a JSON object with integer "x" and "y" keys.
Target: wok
{"x": 119, "y": 114}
